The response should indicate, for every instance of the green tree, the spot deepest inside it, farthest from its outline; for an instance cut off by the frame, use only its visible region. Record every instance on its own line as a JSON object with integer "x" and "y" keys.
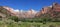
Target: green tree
{"x": 14, "y": 18}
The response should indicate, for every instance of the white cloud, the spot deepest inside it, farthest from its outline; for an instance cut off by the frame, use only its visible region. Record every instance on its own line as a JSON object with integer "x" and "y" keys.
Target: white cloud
{"x": 16, "y": 10}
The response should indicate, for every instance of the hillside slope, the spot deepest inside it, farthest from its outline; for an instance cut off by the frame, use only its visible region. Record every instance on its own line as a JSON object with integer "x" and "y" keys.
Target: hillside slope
{"x": 51, "y": 11}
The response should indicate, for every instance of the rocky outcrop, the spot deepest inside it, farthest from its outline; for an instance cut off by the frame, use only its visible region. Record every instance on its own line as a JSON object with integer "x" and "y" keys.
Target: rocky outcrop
{"x": 10, "y": 12}
{"x": 27, "y": 14}
{"x": 53, "y": 11}
{"x": 6, "y": 11}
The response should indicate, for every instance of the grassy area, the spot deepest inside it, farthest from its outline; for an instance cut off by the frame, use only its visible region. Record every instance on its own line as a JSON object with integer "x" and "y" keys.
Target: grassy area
{"x": 35, "y": 22}
{"x": 11, "y": 23}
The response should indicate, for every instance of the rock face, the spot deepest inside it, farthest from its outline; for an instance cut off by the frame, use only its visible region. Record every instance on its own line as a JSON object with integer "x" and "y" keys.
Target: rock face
{"x": 31, "y": 13}
{"x": 4, "y": 12}
{"x": 27, "y": 14}
{"x": 7, "y": 11}
{"x": 49, "y": 11}
{"x": 10, "y": 12}
{"x": 53, "y": 11}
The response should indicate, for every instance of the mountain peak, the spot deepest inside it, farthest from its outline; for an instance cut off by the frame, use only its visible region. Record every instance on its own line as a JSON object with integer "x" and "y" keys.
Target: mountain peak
{"x": 52, "y": 10}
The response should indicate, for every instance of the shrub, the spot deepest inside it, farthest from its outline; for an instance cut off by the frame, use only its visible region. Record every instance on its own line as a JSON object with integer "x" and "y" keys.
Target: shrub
{"x": 14, "y": 18}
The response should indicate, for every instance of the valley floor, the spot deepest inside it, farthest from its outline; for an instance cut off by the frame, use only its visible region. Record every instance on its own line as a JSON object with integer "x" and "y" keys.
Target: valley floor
{"x": 28, "y": 24}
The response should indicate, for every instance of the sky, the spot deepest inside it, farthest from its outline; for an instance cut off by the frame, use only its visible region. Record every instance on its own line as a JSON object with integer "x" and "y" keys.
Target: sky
{"x": 27, "y": 4}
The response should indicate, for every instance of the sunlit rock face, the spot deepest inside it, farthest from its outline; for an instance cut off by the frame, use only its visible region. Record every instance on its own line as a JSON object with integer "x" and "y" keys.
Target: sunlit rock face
{"x": 43, "y": 11}
{"x": 53, "y": 10}
{"x": 4, "y": 12}
{"x": 21, "y": 13}
{"x": 27, "y": 14}
{"x": 31, "y": 13}
{"x": 56, "y": 7}
{"x": 11, "y": 10}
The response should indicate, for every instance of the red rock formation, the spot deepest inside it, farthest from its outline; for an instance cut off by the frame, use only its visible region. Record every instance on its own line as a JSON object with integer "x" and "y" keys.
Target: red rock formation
{"x": 52, "y": 10}
{"x": 10, "y": 10}
{"x": 56, "y": 7}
